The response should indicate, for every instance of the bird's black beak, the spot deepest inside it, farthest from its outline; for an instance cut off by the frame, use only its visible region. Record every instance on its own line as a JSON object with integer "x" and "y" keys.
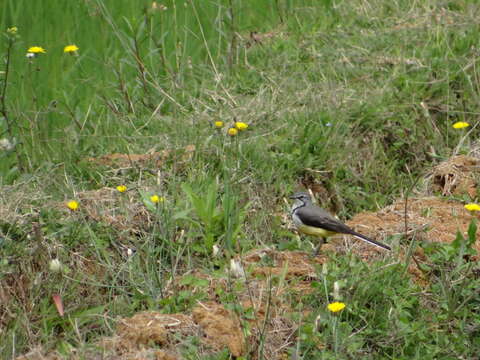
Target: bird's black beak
{"x": 292, "y": 197}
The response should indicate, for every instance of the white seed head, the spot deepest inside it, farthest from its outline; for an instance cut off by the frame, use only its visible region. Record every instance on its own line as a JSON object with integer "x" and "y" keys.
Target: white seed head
{"x": 318, "y": 326}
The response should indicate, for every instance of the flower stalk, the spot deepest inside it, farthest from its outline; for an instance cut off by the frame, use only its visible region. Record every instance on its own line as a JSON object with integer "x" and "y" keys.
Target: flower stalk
{"x": 3, "y": 94}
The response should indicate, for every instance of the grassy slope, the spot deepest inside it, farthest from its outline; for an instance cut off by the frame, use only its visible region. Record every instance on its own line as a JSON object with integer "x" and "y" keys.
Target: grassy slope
{"x": 363, "y": 92}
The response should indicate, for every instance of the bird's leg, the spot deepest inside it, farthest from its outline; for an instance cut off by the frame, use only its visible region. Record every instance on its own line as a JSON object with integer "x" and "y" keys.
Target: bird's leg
{"x": 319, "y": 246}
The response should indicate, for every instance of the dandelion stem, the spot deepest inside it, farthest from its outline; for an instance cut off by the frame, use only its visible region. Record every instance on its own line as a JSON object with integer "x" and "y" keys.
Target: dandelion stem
{"x": 335, "y": 334}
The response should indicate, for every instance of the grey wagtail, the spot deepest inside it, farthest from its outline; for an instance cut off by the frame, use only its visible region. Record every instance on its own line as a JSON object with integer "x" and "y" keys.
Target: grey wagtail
{"x": 312, "y": 220}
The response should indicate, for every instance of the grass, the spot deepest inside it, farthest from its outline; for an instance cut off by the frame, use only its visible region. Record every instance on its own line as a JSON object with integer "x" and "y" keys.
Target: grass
{"x": 357, "y": 98}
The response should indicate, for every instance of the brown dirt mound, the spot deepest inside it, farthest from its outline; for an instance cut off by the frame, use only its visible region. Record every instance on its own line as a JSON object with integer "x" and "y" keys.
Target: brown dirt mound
{"x": 221, "y": 327}
{"x": 456, "y": 176}
{"x": 297, "y": 268}
{"x": 135, "y": 160}
{"x": 292, "y": 264}
{"x": 147, "y": 332}
{"x": 261, "y": 298}
{"x": 430, "y": 219}
{"x": 216, "y": 327}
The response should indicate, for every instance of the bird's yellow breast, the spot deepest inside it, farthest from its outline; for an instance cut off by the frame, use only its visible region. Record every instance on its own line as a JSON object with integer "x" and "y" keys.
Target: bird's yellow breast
{"x": 314, "y": 231}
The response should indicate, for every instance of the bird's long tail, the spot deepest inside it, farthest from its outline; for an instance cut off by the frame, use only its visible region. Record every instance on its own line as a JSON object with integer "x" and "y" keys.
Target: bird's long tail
{"x": 371, "y": 241}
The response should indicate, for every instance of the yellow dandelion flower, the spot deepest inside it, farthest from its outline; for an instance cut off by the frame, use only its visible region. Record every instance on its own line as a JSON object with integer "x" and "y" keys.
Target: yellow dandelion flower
{"x": 36, "y": 50}
{"x": 13, "y": 30}
{"x": 157, "y": 199}
{"x": 241, "y": 125}
{"x": 472, "y": 207}
{"x": 336, "y": 306}
{"x": 218, "y": 124}
{"x": 460, "y": 125}
{"x": 72, "y": 205}
{"x": 70, "y": 49}
{"x": 121, "y": 188}
{"x": 232, "y": 131}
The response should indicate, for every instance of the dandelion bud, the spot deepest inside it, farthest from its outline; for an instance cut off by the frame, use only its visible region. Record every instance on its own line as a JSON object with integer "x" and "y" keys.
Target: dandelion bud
{"x": 13, "y": 30}
{"x": 324, "y": 269}
{"x": 6, "y": 144}
{"x": 236, "y": 269}
{"x": 318, "y": 325}
{"x": 55, "y": 265}
{"x": 336, "y": 290}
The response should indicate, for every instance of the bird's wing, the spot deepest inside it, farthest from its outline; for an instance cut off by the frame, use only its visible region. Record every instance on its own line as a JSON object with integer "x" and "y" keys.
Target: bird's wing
{"x": 317, "y": 217}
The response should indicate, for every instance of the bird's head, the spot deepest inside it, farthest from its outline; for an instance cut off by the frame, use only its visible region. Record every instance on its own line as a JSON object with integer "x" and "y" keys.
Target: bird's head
{"x": 302, "y": 196}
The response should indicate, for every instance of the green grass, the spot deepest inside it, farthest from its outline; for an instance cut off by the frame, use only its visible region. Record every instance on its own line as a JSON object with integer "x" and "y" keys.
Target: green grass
{"x": 355, "y": 96}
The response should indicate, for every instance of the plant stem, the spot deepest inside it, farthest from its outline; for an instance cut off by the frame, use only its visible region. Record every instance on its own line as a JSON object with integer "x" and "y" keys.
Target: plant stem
{"x": 335, "y": 334}
{"x": 3, "y": 102}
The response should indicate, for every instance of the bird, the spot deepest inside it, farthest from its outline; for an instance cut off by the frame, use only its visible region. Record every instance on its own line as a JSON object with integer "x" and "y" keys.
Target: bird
{"x": 313, "y": 220}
